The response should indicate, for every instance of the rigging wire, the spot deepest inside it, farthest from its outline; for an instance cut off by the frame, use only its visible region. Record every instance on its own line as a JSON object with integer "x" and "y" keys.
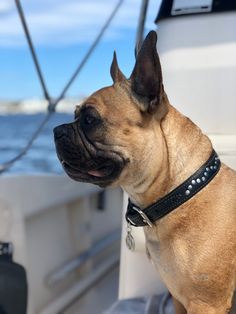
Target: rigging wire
{"x": 89, "y": 52}
{"x": 5, "y": 166}
{"x": 32, "y": 50}
{"x": 52, "y": 103}
{"x": 141, "y": 25}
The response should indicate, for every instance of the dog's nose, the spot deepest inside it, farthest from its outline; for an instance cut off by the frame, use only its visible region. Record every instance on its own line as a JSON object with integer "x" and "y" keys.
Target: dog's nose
{"x": 60, "y": 131}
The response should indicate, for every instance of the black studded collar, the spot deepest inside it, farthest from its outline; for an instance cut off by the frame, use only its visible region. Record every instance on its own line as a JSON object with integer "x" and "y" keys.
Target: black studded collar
{"x": 142, "y": 217}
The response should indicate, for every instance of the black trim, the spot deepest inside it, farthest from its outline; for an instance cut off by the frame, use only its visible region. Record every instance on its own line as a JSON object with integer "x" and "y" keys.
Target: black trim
{"x": 13, "y": 283}
{"x": 217, "y": 6}
{"x": 175, "y": 198}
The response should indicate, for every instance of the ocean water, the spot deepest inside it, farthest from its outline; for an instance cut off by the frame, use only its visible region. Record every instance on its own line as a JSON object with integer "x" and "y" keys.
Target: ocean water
{"x": 15, "y": 131}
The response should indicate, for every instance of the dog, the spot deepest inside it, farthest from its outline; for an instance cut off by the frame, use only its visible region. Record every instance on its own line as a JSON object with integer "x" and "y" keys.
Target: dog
{"x": 129, "y": 135}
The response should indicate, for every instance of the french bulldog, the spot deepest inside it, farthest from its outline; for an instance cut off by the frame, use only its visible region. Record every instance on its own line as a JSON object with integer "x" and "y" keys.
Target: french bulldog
{"x": 128, "y": 134}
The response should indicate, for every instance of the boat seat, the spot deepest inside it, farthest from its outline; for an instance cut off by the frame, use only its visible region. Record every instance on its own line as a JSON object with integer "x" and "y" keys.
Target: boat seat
{"x": 144, "y": 305}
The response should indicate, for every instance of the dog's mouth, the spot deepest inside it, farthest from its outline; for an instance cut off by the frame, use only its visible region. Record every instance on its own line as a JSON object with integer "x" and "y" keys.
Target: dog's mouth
{"x": 100, "y": 172}
{"x": 103, "y": 175}
{"x": 83, "y": 161}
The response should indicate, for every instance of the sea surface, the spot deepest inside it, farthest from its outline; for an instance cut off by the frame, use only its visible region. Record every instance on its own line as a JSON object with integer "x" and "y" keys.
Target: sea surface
{"x": 15, "y": 132}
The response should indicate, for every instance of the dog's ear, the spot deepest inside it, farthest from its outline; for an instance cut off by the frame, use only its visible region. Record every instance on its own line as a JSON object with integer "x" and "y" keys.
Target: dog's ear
{"x": 146, "y": 78}
{"x": 116, "y": 74}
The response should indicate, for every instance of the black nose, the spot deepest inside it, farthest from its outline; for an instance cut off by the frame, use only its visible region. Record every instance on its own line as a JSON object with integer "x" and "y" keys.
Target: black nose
{"x": 60, "y": 131}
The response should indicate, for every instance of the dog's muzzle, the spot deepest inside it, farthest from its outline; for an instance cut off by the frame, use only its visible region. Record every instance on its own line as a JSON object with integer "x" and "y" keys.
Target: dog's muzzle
{"x": 82, "y": 160}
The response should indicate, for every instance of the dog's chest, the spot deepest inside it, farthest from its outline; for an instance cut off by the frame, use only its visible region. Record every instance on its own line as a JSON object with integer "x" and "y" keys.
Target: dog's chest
{"x": 170, "y": 263}
{"x": 162, "y": 256}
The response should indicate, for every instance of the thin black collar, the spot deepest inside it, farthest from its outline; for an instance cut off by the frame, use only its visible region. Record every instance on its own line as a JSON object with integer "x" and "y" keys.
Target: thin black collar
{"x": 142, "y": 217}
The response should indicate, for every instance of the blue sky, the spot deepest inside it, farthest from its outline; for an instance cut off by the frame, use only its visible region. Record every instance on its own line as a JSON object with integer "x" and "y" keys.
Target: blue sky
{"x": 62, "y": 31}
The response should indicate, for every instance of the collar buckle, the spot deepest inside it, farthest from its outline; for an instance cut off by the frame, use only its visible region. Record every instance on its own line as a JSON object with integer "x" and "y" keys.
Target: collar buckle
{"x": 145, "y": 218}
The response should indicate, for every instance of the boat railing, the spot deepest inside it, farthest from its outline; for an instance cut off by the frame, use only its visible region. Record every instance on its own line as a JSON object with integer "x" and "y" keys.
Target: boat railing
{"x": 90, "y": 279}
{"x": 97, "y": 248}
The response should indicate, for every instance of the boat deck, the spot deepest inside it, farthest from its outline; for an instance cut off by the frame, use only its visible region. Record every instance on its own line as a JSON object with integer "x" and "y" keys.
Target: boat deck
{"x": 99, "y": 298}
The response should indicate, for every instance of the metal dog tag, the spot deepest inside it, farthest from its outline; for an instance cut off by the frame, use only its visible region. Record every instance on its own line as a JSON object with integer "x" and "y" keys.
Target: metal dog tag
{"x": 130, "y": 243}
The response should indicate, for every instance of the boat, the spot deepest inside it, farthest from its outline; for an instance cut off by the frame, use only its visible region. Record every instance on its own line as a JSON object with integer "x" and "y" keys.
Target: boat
{"x": 70, "y": 237}
{"x": 66, "y": 235}
{"x": 59, "y": 240}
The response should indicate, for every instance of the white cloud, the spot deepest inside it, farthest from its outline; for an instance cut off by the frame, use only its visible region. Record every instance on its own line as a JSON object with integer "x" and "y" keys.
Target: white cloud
{"x": 5, "y": 6}
{"x": 58, "y": 22}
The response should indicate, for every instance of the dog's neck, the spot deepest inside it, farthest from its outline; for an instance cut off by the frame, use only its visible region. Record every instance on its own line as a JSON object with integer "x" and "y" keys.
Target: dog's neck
{"x": 184, "y": 149}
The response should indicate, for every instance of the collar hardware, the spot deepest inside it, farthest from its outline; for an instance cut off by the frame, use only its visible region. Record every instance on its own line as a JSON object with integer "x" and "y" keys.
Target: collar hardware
{"x": 142, "y": 217}
{"x": 145, "y": 218}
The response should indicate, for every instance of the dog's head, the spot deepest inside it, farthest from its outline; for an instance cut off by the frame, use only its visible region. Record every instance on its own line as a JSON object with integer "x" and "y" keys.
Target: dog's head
{"x": 111, "y": 137}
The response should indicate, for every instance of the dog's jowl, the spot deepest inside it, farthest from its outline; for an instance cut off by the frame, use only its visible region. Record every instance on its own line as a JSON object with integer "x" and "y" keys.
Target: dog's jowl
{"x": 128, "y": 134}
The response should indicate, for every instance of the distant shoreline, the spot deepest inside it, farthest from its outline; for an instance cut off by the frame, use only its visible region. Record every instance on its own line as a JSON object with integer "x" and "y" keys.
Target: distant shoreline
{"x": 31, "y": 106}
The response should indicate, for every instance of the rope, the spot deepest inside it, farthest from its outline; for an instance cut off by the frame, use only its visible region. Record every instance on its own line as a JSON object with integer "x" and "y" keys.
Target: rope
{"x": 52, "y": 103}
{"x": 5, "y": 166}
{"x": 89, "y": 52}
{"x": 141, "y": 25}
{"x": 30, "y": 43}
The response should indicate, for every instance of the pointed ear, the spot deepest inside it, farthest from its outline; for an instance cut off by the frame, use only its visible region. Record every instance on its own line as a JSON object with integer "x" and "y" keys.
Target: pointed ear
{"x": 146, "y": 78}
{"x": 116, "y": 74}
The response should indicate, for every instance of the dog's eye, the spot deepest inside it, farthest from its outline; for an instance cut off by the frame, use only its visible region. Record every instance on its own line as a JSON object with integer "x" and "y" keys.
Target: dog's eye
{"x": 89, "y": 118}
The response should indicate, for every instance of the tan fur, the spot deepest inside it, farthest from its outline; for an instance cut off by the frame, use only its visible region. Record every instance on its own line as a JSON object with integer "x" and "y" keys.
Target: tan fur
{"x": 194, "y": 247}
